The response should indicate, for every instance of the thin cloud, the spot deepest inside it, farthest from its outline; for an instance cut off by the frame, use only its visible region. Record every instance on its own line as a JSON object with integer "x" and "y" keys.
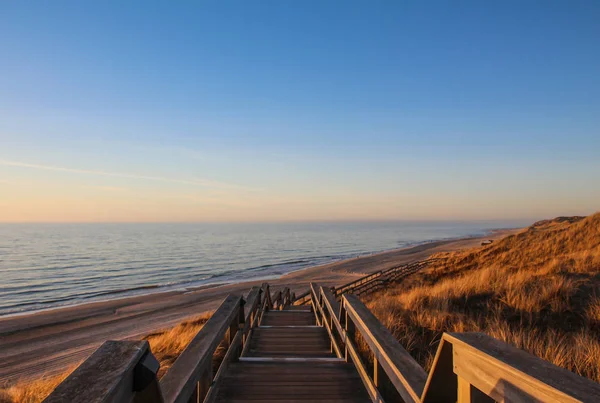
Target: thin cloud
{"x": 194, "y": 182}
{"x": 106, "y": 188}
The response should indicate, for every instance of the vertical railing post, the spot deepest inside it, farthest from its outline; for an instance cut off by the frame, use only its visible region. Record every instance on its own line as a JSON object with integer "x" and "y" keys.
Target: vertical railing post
{"x": 350, "y": 333}
{"x": 464, "y": 391}
{"x": 383, "y": 384}
{"x": 237, "y": 323}
{"x": 203, "y": 384}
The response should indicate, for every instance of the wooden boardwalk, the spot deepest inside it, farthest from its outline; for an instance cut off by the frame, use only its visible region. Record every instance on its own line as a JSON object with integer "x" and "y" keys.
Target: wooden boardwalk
{"x": 289, "y": 358}
{"x": 322, "y": 346}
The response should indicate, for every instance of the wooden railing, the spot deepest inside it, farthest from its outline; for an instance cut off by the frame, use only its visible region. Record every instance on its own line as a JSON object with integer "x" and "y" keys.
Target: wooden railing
{"x": 387, "y": 370}
{"x": 124, "y": 371}
{"x": 468, "y": 367}
{"x": 118, "y": 371}
{"x": 473, "y": 367}
{"x": 302, "y": 299}
{"x": 381, "y": 278}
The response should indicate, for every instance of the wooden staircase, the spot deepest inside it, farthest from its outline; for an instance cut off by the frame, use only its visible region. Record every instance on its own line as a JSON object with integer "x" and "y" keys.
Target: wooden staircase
{"x": 322, "y": 346}
{"x": 289, "y": 358}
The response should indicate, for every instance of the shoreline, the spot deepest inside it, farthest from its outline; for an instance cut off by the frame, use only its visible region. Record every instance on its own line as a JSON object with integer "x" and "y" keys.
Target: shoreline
{"x": 156, "y": 289}
{"x": 47, "y": 342}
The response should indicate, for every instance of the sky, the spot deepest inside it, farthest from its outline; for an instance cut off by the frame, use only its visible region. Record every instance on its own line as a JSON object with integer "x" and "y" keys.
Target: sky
{"x": 271, "y": 110}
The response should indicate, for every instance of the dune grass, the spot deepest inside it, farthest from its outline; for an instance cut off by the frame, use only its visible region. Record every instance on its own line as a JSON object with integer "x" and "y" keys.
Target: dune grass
{"x": 166, "y": 345}
{"x": 538, "y": 290}
{"x": 32, "y": 391}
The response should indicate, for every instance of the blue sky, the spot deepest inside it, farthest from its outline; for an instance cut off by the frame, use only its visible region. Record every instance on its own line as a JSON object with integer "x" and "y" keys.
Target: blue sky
{"x": 304, "y": 110}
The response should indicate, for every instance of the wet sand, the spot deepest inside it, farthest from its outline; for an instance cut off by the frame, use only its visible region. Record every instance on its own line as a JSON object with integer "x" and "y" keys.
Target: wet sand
{"x": 49, "y": 342}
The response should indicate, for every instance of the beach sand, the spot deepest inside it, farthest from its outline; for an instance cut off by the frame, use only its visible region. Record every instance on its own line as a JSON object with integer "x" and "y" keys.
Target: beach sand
{"x": 49, "y": 342}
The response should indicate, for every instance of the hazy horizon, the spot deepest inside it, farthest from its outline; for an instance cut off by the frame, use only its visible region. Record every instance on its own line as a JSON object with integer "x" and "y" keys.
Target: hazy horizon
{"x": 298, "y": 111}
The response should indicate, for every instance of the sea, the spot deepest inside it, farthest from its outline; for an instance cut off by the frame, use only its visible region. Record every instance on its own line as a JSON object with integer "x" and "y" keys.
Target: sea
{"x": 44, "y": 266}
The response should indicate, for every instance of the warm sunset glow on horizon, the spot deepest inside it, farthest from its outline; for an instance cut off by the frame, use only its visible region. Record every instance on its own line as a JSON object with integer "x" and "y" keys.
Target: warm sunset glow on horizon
{"x": 41, "y": 193}
{"x": 298, "y": 112}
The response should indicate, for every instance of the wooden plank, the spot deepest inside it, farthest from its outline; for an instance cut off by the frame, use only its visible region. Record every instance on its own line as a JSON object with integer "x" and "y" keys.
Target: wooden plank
{"x": 285, "y": 296}
{"x": 252, "y": 301}
{"x": 330, "y": 320}
{"x": 352, "y": 352}
{"x": 274, "y": 318}
{"x": 441, "y": 384}
{"x": 352, "y": 284}
{"x": 289, "y": 342}
{"x": 106, "y": 376}
{"x": 179, "y": 383}
{"x": 276, "y": 299}
{"x": 297, "y": 381}
{"x": 464, "y": 391}
{"x": 506, "y": 373}
{"x": 403, "y": 371}
{"x": 229, "y": 357}
{"x": 302, "y": 296}
{"x": 266, "y": 294}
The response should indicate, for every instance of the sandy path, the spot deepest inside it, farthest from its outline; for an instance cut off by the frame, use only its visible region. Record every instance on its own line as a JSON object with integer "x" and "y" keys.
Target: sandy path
{"x": 49, "y": 342}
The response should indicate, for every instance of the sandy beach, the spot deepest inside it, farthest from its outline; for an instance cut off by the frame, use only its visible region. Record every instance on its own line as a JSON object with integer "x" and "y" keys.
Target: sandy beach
{"x": 49, "y": 342}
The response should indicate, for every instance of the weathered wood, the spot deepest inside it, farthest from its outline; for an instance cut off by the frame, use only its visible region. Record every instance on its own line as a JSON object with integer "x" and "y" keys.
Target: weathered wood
{"x": 266, "y": 294}
{"x": 506, "y": 373}
{"x": 230, "y": 356}
{"x": 108, "y": 375}
{"x": 192, "y": 366}
{"x": 332, "y": 307}
{"x": 403, "y": 371}
{"x": 314, "y": 297}
{"x": 348, "y": 286}
{"x": 289, "y": 342}
{"x": 285, "y": 297}
{"x": 252, "y": 301}
{"x": 302, "y": 298}
{"x": 292, "y": 382}
{"x": 276, "y": 299}
{"x": 353, "y": 356}
{"x": 364, "y": 284}
{"x": 441, "y": 385}
{"x": 326, "y": 321}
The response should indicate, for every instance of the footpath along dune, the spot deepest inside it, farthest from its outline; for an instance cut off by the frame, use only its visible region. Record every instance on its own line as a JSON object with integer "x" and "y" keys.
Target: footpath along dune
{"x": 46, "y": 343}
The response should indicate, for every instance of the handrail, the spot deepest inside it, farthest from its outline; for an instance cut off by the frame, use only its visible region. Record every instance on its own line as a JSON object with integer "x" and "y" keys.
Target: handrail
{"x": 285, "y": 297}
{"x": 325, "y": 304}
{"x": 393, "y": 367}
{"x": 191, "y": 374}
{"x": 378, "y": 278}
{"x": 238, "y": 344}
{"x": 302, "y": 298}
{"x": 265, "y": 290}
{"x": 407, "y": 376}
{"x": 276, "y": 299}
{"x": 127, "y": 370}
{"x": 474, "y": 366}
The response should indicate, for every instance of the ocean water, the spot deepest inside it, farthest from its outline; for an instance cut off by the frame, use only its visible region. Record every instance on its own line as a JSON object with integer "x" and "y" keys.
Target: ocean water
{"x": 50, "y": 265}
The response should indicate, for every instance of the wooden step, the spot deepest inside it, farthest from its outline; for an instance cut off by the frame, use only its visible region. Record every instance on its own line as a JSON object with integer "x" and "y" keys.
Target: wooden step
{"x": 288, "y": 318}
{"x": 289, "y": 342}
{"x": 303, "y": 308}
{"x": 298, "y": 382}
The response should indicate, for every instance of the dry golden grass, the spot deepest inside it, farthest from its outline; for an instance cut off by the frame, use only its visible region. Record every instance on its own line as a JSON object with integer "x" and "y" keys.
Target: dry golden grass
{"x": 34, "y": 391}
{"x": 165, "y": 344}
{"x": 538, "y": 290}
